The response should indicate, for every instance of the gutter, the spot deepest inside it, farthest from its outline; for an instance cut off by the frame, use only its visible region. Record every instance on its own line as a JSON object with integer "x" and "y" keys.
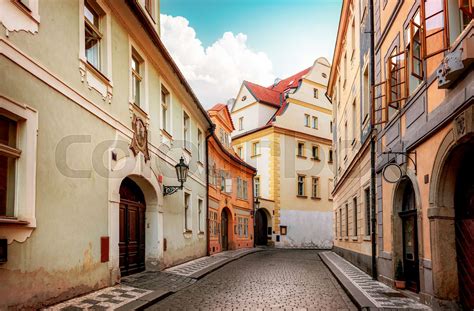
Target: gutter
{"x": 211, "y": 132}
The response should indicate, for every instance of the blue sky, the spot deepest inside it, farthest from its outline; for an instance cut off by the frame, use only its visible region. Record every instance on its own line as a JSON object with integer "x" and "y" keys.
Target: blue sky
{"x": 292, "y": 33}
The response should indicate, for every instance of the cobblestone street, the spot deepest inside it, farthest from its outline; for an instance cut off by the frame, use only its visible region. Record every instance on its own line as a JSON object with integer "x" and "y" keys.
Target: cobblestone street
{"x": 276, "y": 279}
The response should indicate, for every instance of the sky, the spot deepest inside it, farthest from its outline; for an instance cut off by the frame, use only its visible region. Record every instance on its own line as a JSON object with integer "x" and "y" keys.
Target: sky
{"x": 219, "y": 43}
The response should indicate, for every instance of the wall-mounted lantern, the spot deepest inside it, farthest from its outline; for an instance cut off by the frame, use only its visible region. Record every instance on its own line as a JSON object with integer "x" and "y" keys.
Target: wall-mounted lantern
{"x": 182, "y": 173}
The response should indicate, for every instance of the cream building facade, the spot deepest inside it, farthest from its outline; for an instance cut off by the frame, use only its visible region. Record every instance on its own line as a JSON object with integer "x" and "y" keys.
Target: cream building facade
{"x": 349, "y": 91}
{"x": 91, "y": 131}
{"x": 284, "y": 130}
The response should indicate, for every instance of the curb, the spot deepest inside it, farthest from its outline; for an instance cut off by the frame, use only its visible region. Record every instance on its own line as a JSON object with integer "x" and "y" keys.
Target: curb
{"x": 357, "y": 297}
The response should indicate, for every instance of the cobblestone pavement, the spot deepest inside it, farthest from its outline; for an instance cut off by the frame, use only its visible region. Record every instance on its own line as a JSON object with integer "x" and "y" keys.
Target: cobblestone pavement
{"x": 382, "y": 296}
{"x": 157, "y": 280}
{"x": 266, "y": 280}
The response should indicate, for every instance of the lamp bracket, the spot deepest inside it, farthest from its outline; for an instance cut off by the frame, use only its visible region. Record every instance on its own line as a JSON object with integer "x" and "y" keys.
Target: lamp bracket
{"x": 409, "y": 156}
{"x": 167, "y": 190}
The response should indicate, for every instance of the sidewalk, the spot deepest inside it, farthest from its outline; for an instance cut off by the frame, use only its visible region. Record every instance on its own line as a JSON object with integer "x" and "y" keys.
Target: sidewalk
{"x": 140, "y": 290}
{"x": 366, "y": 293}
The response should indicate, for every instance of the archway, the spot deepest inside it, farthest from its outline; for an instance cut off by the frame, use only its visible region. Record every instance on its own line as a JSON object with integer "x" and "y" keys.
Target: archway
{"x": 132, "y": 228}
{"x": 452, "y": 221}
{"x": 226, "y": 225}
{"x": 405, "y": 233}
{"x": 261, "y": 227}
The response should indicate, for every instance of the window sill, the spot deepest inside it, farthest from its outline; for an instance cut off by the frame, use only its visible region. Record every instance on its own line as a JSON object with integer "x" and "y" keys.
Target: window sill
{"x": 355, "y": 238}
{"x": 315, "y": 198}
{"x": 330, "y": 162}
{"x": 96, "y": 80}
{"x": 188, "y": 234}
{"x": 255, "y": 155}
{"x": 367, "y": 238}
{"x": 302, "y": 196}
{"x": 186, "y": 149}
{"x": 166, "y": 134}
{"x": 200, "y": 163}
{"x": 301, "y": 156}
{"x": 315, "y": 159}
{"x": 97, "y": 72}
{"x": 33, "y": 16}
{"x": 13, "y": 221}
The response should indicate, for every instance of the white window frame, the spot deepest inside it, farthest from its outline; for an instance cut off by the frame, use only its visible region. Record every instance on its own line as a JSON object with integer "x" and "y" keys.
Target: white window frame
{"x": 25, "y": 179}
{"x": 144, "y": 74}
{"x": 186, "y": 131}
{"x": 167, "y": 104}
{"x": 188, "y": 212}
{"x": 201, "y": 213}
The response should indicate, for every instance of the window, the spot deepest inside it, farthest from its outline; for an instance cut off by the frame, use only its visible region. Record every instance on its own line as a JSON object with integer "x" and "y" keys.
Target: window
{"x": 136, "y": 78}
{"x": 354, "y": 204}
{"x": 256, "y": 148}
{"x": 199, "y": 145}
{"x": 330, "y": 126}
{"x": 149, "y": 7}
{"x": 186, "y": 130}
{"x": 200, "y": 213}
{"x": 347, "y": 219}
{"x": 315, "y": 187}
{"x": 301, "y": 185}
{"x": 93, "y": 35}
{"x": 315, "y": 93}
{"x": 396, "y": 79}
{"x": 257, "y": 186}
{"x": 242, "y": 227}
{"x": 353, "y": 38}
{"x": 346, "y": 139}
{"x": 187, "y": 212}
{"x": 435, "y": 33}
{"x": 222, "y": 180}
{"x": 366, "y": 94}
{"x": 315, "y": 122}
{"x": 330, "y": 155}
{"x": 367, "y": 211}
{"x": 240, "y": 152}
{"x": 165, "y": 120}
{"x": 335, "y": 225}
{"x": 241, "y": 123}
{"x": 330, "y": 188}
{"x": 354, "y": 121}
{"x": 345, "y": 71}
{"x": 307, "y": 120}
{"x": 213, "y": 226}
{"x": 9, "y": 154}
{"x": 315, "y": 152}
{"x": 245, "y": 187}
{"x": 340, "y": 223}
{"x": 300, "y": 150}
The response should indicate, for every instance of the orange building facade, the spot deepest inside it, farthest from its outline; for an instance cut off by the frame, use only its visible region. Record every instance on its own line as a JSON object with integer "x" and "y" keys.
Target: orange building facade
{"x": 230, "y": 213}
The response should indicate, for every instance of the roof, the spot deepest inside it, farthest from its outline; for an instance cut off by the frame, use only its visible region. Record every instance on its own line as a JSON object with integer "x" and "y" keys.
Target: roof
{"x": 263, "y": 94}
{"x": 226, "y": 119}
{"x": 290, "y": 82}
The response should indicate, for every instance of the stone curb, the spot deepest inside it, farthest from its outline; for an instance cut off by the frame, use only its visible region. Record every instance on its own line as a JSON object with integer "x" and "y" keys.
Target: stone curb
{"x": 357, "y": 297}
{"x": 146, "y": 301}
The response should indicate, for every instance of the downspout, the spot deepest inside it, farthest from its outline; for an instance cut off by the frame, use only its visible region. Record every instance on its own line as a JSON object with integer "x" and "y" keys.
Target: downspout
{"x": 211, "y": 132}
{"x": 253, "y": 208}
{"x": 372, "y": 142}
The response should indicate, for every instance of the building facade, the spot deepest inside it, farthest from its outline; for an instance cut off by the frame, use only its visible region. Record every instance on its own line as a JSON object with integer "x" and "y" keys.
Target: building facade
{"x": 349, "y": 91}
{"x": 91, "y": 131}
{"x": 284, "y": 130}
{"x": 422, "y": 117}
{"x": 231, "y": 208}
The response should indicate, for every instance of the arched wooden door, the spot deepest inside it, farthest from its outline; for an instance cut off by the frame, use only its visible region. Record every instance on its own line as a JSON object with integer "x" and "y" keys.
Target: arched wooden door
{"x": 261, "y": 225}
{"x": 224, "y": 230}
{"x": 132, "y": 228}
{"x": 410, "y": 239}
{"x": 464, "y": 228}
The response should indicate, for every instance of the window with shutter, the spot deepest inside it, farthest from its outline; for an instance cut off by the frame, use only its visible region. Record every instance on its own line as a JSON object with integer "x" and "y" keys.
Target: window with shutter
{"x": 435, "y": 36}
{"x": 416, "y": 48}
{"x": 397, "y": 79}
{"x": 379, "y": 109}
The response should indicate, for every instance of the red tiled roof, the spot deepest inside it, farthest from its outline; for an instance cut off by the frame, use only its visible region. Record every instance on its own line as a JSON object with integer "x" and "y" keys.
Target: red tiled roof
{"x": 264, "y": 94}
{"x": 290, "y": 82}
{"x": 217, "y": 107}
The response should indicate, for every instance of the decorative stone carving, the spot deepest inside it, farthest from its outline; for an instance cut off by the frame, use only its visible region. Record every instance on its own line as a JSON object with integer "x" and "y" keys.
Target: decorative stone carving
{"x": 140, "y": 137}
{"x": 451, "y": 67}
{"x": 463, "y": 124}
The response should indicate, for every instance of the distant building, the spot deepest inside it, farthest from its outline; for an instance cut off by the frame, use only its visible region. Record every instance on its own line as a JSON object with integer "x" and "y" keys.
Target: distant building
{"x": 285, "y": 130}
{"x": 94, "y": 115}
{"x": 230, "y": 189}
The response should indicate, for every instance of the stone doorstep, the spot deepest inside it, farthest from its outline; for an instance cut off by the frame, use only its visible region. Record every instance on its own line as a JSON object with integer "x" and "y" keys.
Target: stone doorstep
{"x": 146, "y": 301}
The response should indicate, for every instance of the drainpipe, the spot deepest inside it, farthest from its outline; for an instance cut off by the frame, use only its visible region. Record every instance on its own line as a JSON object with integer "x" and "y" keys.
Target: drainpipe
{"x": 372, "y": 142}
{"x": 211, "y": 132}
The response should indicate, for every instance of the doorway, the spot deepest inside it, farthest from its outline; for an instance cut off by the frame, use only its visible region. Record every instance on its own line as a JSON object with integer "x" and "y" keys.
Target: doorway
{"x": 464, "y": 228}
{"x": 225, "y": 230}
{"x": 132, "y": 228}
{"x": 261, "y": 225}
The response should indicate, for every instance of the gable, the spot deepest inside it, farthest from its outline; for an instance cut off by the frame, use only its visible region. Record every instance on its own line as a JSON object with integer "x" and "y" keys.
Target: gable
{"x": 244, "y": 98}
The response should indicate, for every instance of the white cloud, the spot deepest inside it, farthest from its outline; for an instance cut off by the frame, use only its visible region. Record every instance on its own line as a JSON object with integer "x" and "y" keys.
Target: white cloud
{"x": 215, "y": 73}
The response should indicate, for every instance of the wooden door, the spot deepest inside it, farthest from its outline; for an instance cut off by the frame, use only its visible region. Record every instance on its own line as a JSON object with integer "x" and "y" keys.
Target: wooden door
{"x": 261, "y": 225}
{"x": 132, "y": 229}
{"x": 464, "y": 204}
{"x": 224, "y": 231}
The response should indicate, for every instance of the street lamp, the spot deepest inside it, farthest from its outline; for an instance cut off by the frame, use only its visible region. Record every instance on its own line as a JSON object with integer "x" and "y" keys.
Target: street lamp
{"x": 182, "y": 173}
{"x": 257, "y": 203}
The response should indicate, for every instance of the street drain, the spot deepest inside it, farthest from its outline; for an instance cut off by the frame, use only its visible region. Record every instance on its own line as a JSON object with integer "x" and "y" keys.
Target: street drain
{"x": 393, "y": 294}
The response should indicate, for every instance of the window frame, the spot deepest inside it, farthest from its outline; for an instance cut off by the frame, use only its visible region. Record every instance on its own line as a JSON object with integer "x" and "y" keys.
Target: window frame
{"x": 187, "y": 211}
{"x": 315, "y": 188}
{"x": 303, "y": 185}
